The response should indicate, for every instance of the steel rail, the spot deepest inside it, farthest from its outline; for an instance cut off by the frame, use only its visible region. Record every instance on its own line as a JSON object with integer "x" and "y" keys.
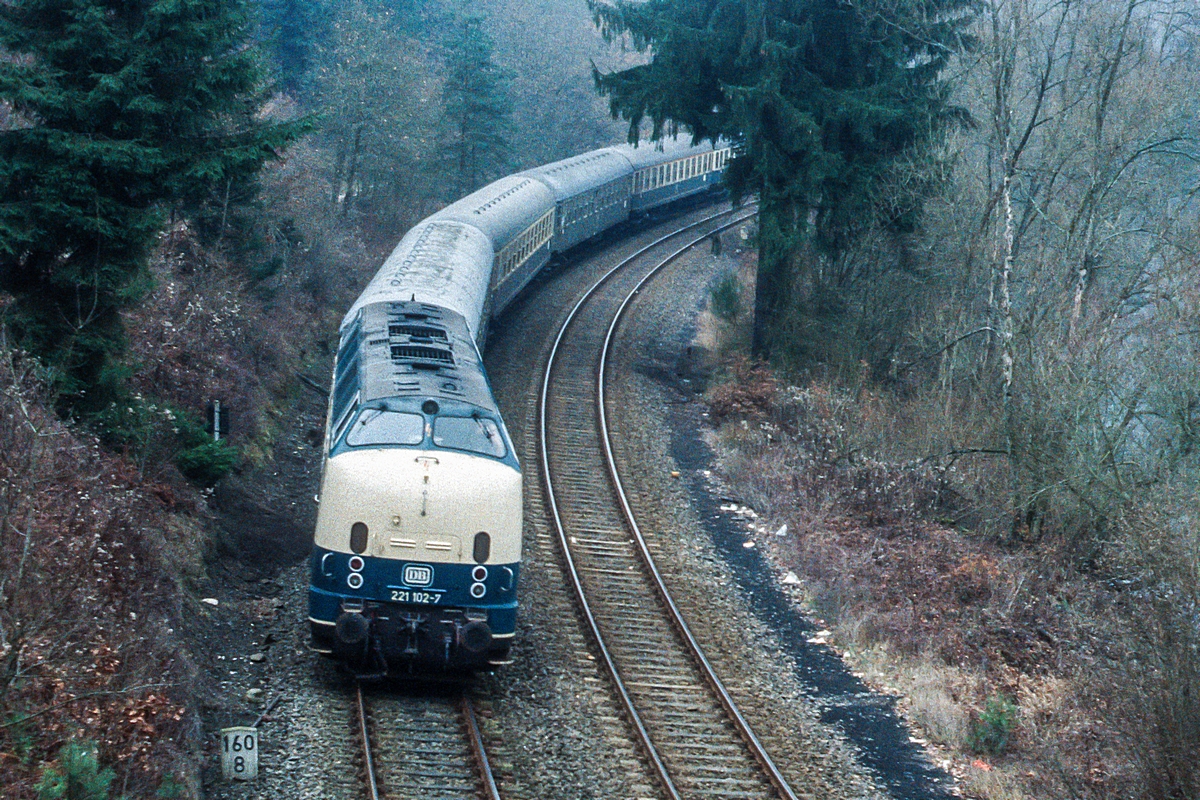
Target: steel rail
{"x": 475, "y": 736}
{"x": 368, "y": 763}
{"x": 626, "y": 699}
{"x": 468, "y": 725}
{"x": 710, "y": 675}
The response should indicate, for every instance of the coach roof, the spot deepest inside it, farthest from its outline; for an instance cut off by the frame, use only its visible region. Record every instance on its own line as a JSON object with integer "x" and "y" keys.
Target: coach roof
{"x": 502, "y": 209}
{"x": 574, "y": 176}
{"x": 647, "y": 153}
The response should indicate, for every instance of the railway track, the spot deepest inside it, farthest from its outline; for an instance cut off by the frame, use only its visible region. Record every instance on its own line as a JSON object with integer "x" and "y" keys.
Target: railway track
{"x": 690, "y": 729}
{"x": 425, "y": 746}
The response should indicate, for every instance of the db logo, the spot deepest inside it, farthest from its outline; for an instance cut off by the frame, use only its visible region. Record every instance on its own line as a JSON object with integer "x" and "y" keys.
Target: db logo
{"x": 418, "y": 575}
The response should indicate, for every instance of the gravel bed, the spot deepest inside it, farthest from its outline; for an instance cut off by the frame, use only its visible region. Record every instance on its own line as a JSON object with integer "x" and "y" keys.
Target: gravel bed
{"x": 817, "y": 718}
{"x": 554, "y": 723}
{"x": 651, "y": 348}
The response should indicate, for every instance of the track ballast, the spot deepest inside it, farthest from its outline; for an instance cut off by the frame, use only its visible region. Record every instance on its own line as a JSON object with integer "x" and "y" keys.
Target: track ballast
{"x": 696, "y": 740}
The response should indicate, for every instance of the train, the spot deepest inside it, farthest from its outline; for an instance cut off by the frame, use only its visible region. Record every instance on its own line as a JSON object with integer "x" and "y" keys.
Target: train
{"x": 416, "y": 554}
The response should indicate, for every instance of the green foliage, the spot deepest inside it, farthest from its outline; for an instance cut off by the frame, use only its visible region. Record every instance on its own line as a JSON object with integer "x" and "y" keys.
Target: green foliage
{"x": 200, "y": 459}
{"x": 120, "y": 108}
{"x": 991, "y": 731}
{"x": 727, "y": 298}
{"x": 207, "y": 463}
{"x": 170, "y": 789}
{"x": 19, "y": 734}
{"x": 152, "y": 433}
{"x": 823, "y": 100}
{"x": 77, "y": 777}
{"x": 478, "y": 108}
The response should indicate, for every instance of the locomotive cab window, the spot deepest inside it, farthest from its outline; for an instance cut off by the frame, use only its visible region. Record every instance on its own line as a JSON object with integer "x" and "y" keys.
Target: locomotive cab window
{"x": 474, "y": 434}
{"x": 378, "y": 426}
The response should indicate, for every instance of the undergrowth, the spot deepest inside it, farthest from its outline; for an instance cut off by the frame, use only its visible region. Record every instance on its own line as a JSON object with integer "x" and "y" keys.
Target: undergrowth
{"x": 1004, "y": 649}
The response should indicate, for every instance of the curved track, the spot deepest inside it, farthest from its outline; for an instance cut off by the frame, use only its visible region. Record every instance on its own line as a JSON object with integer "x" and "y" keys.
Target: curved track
{"x": 425, "y": 746}
{"x": 696, "y": 740}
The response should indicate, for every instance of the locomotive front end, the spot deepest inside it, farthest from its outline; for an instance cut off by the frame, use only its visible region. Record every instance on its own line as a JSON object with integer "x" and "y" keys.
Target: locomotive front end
{"x": 416, "y": 561}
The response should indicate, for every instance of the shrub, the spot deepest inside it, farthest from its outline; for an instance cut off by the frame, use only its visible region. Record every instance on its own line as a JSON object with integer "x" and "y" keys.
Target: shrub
{"x": 77, "y": 777}
{"x": 726, "y": 299}
{"x": 206, "y": 463}
{"x": 992, "y": 729}
{"x": 750, "y": 393}
{"x": 20, "y": 737}
{"x": 154, "y": 433}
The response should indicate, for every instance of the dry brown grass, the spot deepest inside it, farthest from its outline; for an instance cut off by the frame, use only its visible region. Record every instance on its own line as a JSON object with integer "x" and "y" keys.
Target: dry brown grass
{"x": 945, "y": 617}
{"x": 89, "y": 559}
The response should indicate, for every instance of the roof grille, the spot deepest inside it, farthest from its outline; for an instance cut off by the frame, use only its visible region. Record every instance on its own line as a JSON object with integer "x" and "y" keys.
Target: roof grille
{"x": 417, "y": 352}
{"x": 418, "y": 332}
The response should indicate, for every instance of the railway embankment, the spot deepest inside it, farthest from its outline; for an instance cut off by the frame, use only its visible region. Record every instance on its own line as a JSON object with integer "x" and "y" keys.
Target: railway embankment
{"x": 140, "y": 587}
{"x": 1010, "y": 662}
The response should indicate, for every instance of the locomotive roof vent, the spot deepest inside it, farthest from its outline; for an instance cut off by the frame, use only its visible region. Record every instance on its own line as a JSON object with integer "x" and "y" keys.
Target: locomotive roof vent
{"x": 421, "y": 352}
{"x": 427, "y": 332}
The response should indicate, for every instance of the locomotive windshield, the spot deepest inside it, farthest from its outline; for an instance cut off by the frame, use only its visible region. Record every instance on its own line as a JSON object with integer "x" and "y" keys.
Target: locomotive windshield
{"x": 376, "y": 426}
{"x": 475, "y": 433}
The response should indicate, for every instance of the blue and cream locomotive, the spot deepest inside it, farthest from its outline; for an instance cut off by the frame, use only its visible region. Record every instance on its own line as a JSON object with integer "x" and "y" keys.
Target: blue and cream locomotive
{"x": 417, "y": 551}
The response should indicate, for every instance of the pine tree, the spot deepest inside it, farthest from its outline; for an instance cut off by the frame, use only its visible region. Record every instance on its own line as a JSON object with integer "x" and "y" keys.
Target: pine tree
{"x": 122, "y": 109}
{"x": 478, "y": 108}
{"x": 297, "y": 30}
{"x": 820, "y": 97}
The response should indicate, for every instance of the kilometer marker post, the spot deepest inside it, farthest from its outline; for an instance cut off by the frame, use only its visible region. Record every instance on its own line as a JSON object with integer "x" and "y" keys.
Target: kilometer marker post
{"x": 239, "y": 753}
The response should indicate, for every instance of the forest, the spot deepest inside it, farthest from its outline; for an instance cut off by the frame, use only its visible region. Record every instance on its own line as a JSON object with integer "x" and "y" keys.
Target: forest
{"x": 976, "y": 276}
